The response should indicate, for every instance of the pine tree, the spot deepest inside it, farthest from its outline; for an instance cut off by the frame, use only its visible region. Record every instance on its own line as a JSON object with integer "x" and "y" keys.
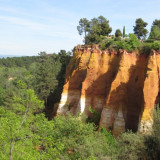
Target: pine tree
{"x": 118, "y": 33}
{"x": 45, "y": 77}
{"x": 139, "y": 29}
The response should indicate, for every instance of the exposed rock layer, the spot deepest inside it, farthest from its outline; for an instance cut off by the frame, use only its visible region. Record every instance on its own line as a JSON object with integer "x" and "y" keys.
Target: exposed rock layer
{"x": 123, "y": 86}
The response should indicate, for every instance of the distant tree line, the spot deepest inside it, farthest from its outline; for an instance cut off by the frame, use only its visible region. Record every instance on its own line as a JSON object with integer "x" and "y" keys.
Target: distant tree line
{"x": 25, "y": 61}
{"x": 43, "y": 73}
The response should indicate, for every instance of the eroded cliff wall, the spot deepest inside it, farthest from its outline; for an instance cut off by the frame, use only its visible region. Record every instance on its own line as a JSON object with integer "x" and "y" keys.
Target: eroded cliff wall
{"x": 123, "y": 86}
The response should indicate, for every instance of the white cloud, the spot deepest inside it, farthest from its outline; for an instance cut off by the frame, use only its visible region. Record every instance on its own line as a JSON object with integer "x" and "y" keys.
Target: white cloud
{"x": 24, "y": 22}
{"x": 7, "y": 9}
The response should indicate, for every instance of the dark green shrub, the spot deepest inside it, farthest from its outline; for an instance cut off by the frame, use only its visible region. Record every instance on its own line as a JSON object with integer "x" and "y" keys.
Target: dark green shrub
{"x": 120, "y": 45}
{"x": 133, "y": 43}
{"x": 156, "y": 46}
{"x": 106, "y": 43}
{"x": 117, "y": 38}
{"x": 145, "y": 48}
{"x": 131, "y": 146}
{"x": 95, "y": 118}
{"x": 152, "y": 144}
{"x": 149, "y": 40}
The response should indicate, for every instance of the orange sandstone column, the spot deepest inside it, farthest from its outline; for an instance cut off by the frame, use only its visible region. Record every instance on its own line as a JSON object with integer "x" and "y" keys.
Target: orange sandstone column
{"x": 113, "y": 114}
{"x": 91, "y": 76}
{"x": 150, "y": 91}
{"x": 75, "y": 75}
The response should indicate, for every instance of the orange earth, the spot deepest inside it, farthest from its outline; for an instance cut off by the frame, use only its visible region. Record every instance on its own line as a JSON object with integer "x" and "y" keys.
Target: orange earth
{"x": 123, "y": 86}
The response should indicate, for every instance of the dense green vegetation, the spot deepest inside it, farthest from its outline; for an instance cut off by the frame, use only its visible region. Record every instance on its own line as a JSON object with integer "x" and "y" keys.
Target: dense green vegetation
{"x": 131, "y": 43}
{"x": 27, "y": 134}
{"x": 94, "y": 30}
{"x": 155, "y": 30}
{"x": 97, "y": 31}
{"x": 139, "y": 29}
{"x": 44, "y": 74}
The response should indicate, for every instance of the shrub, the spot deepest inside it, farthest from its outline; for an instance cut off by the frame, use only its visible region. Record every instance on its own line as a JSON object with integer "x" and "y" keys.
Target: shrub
{"x": 152, "y": 142}
{"x": 145, "y": 48}
{"x": 156, "y": 122}
{"x": 120, "y": 45}
{"x": 80, "y": 140}
{"x": 156, "y": 46}
{"x": 117, "y": 38}
{"x": 149, "y": 40}
{"x": 106, "y": 43}
{"x": 131, "y": 146}
{"x": 132, "y": 43}
{"x": 111, "y": 141}
{"x": 95, "y": 118}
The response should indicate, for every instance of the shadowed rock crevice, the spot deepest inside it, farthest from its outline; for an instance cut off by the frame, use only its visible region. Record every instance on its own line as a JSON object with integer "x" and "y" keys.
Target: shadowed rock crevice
{"x": 135, "y": 85}
{"x": 97, "y": 93}
{"x": 157, "y": 102}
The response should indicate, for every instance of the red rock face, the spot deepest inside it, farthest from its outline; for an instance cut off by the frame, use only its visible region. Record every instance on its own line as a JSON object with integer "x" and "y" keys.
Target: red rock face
{"x": 123, "y": 86}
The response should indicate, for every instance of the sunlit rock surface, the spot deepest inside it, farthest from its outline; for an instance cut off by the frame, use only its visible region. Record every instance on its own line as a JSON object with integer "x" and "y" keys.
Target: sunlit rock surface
{"x": 123, "y": 87}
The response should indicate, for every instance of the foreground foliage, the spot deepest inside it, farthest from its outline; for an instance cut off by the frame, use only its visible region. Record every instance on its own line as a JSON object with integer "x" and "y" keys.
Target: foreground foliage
{"x": 27, "y": 134}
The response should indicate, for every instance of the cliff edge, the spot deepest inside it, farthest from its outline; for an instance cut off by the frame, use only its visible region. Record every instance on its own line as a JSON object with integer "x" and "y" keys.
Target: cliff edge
{"x": 123, "y": 87}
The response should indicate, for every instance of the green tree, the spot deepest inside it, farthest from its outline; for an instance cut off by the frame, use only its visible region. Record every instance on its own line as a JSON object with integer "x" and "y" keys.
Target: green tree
{"x": 155, "y": 33}
{"x": 99, "y": 27}
{"x": 59, "y": 66}
{"x": 45, "y": 77}
{"x": 15, "y": 126}
{"x": 83, "y": 27}
{"x": 155, "y": 30}
{"x": 105, "y": 29}
{"x": 118, "y": 33}
{"x": 156, "y": 22}
{"x": 139, "y": 29}
{"x": 81, "y": 141}
{"x": 96, "y": 29}
{"x": 133, "y": 42}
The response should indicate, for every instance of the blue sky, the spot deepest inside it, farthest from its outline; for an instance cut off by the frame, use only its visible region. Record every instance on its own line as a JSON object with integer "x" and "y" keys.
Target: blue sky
{"x": 28, "y": 27}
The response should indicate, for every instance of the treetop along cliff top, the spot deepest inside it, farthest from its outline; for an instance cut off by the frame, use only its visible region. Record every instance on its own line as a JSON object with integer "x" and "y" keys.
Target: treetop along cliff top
{"x": 97, "y": 31}
{"x": 119, "y": 48}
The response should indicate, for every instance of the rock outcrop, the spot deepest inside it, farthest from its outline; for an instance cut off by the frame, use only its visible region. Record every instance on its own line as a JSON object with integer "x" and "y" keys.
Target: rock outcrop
{"x": 123, "y": 86}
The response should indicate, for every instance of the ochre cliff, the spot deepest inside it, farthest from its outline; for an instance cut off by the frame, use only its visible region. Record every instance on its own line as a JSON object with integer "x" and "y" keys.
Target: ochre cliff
{"x": 123, "y": 86}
